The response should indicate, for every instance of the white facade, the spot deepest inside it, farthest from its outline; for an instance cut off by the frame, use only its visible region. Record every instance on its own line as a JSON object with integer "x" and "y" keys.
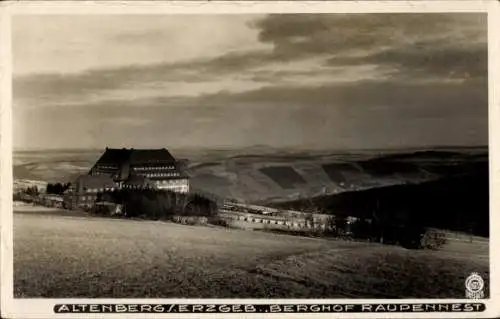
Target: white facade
{"x": 175, "y": 185}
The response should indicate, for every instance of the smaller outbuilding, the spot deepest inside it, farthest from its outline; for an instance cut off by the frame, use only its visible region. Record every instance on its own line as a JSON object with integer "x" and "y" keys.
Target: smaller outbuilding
{"x": 83, "y": 191}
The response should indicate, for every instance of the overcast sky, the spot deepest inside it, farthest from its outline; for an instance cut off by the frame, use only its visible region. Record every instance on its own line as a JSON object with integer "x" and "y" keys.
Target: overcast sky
{"x": 329, "y": 81}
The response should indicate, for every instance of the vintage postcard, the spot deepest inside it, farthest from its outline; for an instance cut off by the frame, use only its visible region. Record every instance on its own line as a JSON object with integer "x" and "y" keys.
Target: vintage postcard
{"x": 249, "y": 159}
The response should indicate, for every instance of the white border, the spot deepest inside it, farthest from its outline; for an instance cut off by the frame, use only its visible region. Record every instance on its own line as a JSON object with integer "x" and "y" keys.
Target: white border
{"x": 244, "y": 7}
{"x": 6, "y": 251}
{"x": 42, "y": 308}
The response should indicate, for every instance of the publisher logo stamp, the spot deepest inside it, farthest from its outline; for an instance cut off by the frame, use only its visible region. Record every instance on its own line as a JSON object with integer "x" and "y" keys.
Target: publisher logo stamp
{"x": 474, "y": 286}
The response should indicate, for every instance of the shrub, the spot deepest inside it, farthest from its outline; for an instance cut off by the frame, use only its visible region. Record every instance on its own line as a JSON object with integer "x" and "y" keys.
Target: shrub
{"x": 409, "y": 237}
{"x": 160, "y": 205}
{"x": 190, "y": 220}
{"x": 218, "y": 221}
{"x": 336, "y": 226}
{"x": 57, "y": 188}
{"x": 101, "y": 210}
{"x": 198, "y": 205}
{"x": 433, "y": 239}
{"x": 17, "y": 197}
{"x": 32, "y": 191}
{"x": 361, "y": 229}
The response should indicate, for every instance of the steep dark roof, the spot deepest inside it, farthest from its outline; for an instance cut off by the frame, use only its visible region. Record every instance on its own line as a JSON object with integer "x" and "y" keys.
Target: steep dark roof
{"x": 113, "y": 156}
{"x": 151, "y": 156}
{"x": 135, "y": 156}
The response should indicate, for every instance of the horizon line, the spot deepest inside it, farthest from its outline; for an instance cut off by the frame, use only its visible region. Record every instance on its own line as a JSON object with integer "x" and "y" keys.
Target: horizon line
{"x": 226, "y": 147}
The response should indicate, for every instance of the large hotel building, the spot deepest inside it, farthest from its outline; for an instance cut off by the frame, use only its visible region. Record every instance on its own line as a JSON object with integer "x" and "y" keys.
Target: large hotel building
{"x": 129, "y": 168}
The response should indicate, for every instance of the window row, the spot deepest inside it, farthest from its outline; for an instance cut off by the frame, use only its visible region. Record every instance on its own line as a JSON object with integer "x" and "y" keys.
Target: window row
{"x": 128, "y": 186}
{"x": 96, "y": 190}
{"x": 161, "y": 174}
{"x": 172, "y": 181}
{"x": 88, "y": 198}
{"x": 106, "y": 167}
{"x": 176, "y": 187}
{"x": 153, "y": 168}
{"x": 180, "y": 189}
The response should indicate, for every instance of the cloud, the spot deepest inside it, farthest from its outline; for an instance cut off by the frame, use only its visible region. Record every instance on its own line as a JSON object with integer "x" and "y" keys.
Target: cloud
{"x": 340, "y": 115}
{"x": 427, "y": 45}
{"x": 426, "y": 61}
{"x": 356, "y": 79}
{"x": 331, "y": 33}
{"x": 67, "y": 44}
{"x": 44, "y": 89}
{"x": 432, "y": 45}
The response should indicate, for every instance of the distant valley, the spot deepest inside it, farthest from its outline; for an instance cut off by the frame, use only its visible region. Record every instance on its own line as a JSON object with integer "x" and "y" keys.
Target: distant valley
{"x": 267, "y": 176}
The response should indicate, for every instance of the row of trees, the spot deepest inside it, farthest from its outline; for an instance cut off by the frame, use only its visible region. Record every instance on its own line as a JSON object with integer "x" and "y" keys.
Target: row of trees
{"x": 32, "y": 191}
{"x": 57, "y": 188}
{"x": 156, "y": 204}
{"x": 383, "y": 226}
{"x": 408, "y": 234}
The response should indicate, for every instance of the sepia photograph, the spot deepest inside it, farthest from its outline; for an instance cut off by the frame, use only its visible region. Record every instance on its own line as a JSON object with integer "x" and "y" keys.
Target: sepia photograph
{"x": 259, "y": 155}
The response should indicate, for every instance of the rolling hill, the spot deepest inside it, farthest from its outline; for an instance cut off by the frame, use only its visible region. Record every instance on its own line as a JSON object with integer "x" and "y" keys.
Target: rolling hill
{"x": 250, "y": 176}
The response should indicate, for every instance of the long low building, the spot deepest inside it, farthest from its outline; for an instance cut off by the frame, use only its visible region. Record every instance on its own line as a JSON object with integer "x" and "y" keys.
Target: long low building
{"x": 128, "y": 168}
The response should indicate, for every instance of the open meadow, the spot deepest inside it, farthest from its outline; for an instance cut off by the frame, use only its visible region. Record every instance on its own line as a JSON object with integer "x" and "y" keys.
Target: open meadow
{"x": 65, "y": 255}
